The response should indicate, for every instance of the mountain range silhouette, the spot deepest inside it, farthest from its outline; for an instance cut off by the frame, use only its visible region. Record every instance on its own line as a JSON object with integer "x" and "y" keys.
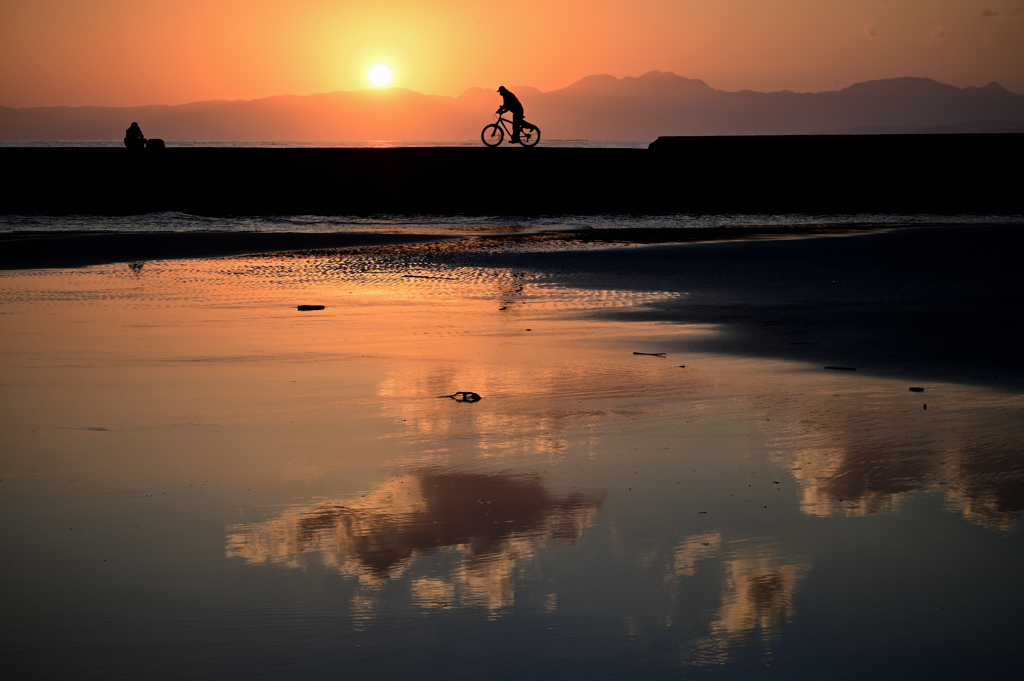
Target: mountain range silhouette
{"x": 598, "y": 108}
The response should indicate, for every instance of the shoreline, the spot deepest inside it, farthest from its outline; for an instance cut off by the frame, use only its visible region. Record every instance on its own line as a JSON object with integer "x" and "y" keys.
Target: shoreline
{"x": 82, "y": 248}
{"x": 927, "y": 303}
{"x": 37, "y": 250}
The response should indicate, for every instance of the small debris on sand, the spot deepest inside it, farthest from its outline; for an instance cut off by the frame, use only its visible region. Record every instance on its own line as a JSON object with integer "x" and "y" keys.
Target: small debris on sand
{"x": 307, "y": 308}
{"x": 462, "y": 396}
{"x": 917, "y": 390}
{"x": 650, "y": 354}
{"x": 843, "y": 368}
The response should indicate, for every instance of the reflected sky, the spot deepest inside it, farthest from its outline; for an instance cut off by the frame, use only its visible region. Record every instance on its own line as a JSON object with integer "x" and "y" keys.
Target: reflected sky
{"x": 495, "y": 523}
{"x": 867, "y": 459}
{"x": 758, "y": 590}
{"x": 197, "y": 477}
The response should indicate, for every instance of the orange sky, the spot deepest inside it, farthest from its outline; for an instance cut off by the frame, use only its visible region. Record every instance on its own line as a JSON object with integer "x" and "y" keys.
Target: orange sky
{"x": 133, "y": 52}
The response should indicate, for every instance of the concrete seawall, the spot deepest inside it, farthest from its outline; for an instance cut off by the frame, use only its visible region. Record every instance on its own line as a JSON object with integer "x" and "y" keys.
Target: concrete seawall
{"x": 806, "y": 174}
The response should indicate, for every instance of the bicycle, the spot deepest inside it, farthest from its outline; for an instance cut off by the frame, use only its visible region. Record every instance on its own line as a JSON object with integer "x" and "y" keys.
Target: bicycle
{"x": 492, "y": 135}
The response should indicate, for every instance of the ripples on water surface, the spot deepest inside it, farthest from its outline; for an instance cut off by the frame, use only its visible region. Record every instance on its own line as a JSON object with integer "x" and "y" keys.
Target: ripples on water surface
{"x": 200, "y": 481}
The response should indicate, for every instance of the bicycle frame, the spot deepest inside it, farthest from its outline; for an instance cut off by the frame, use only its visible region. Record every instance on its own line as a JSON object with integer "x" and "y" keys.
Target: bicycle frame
{"x": 531, "y": 131}
{"x": 504, "y": 123}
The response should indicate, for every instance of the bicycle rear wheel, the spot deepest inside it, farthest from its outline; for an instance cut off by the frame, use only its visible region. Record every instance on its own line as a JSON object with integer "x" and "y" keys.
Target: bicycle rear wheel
{"x": 492, "y": 135}
{"x": 529, "y": 135}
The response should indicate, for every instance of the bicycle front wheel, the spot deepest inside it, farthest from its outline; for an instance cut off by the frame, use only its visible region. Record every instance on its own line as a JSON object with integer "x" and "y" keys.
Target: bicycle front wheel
{"x": 529, "y": 135}
{"x": 492, "y": 135}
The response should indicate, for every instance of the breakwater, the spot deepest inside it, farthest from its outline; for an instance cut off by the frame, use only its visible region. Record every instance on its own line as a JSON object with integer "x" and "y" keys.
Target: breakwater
{"x": 782, "y": 174}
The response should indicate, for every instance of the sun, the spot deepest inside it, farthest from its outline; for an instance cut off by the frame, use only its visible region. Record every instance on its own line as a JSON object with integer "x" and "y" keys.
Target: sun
{"x": 380, "y": 75}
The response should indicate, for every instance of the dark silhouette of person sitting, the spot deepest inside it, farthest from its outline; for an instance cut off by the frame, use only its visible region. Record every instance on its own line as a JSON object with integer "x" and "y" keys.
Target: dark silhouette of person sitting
{"x": 511, "y": 103}
{"x": 133, "y": 138}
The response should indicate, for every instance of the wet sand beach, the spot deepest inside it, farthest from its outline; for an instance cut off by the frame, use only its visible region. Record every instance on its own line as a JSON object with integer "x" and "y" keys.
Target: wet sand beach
{"x": 663, "y": 478}
{"x": 923, "y": 302}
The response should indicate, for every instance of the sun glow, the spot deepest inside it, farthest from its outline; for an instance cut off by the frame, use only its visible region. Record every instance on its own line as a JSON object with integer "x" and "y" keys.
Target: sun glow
{"x": 380, "y": 75}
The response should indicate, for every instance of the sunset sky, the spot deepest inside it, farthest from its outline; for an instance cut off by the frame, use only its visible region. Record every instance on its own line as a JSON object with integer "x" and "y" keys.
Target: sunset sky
{"x": 136, "y": 52}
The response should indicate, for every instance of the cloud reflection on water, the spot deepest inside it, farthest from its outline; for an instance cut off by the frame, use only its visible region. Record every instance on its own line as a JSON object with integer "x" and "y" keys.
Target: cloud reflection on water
{"x": 757, "y": 600}
{"x": 757, "y": 594}
{"x": 865, "y": 459}
{"x": 495, "y": 523}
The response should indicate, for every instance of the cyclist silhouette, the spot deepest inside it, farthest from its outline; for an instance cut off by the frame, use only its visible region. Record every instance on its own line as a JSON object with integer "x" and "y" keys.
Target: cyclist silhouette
{"x": 511, "y": 103}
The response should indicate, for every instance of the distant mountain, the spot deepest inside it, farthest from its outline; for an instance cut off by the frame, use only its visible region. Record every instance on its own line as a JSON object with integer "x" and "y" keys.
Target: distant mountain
{"x": 595, "y": 108}
{"x": 388, "y": 114}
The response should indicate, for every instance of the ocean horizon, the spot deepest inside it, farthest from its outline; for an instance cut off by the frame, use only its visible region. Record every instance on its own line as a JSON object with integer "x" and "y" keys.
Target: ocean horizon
{"x": 325, "y": 144}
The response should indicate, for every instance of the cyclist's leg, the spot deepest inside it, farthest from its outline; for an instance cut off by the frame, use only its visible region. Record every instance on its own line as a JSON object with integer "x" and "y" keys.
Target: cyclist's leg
{"x": 517, "y": 125}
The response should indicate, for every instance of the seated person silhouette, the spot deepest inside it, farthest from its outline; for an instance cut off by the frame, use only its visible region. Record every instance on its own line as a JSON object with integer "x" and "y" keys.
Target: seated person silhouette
{"x": 511, "y": 103}
{"x": 133, "y": 138}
